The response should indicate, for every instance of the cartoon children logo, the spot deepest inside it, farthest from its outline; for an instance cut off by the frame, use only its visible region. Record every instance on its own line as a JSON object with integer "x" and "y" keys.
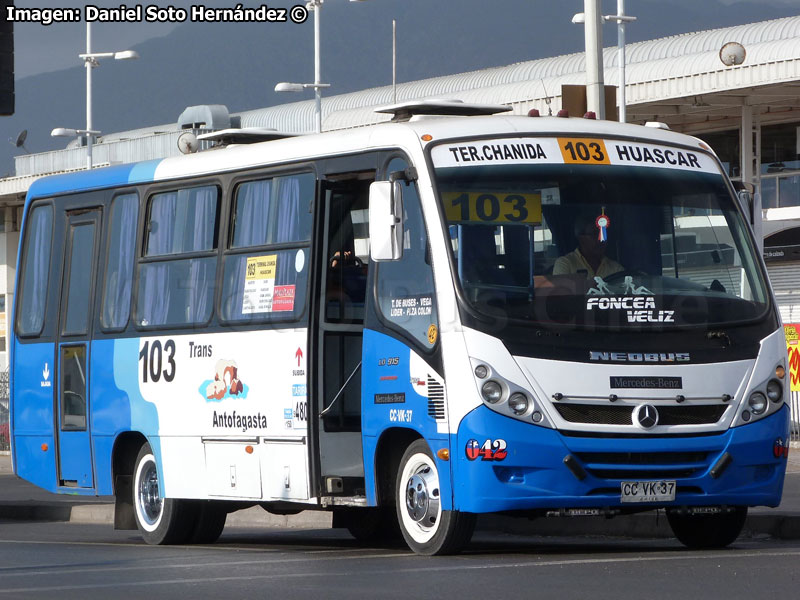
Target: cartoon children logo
{"x": 226, "y": 383}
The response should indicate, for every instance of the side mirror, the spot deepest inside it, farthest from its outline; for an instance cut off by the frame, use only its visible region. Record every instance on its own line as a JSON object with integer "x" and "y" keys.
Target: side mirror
{"x": 385, "y": 220}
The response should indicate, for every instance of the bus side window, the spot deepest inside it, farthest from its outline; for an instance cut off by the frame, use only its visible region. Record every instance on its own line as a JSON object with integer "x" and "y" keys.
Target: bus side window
{"x": 262, "y": 281}
{"x": 121, "y": 257}
{"x": 174, "y": 290}
{"x": 35, "y": 271}
{"x": 406, "y": 294}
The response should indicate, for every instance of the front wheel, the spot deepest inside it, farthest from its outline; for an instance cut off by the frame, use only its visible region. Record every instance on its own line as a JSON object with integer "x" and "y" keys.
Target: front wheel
{"x": 705, "y": 531}
{"x": 427, "y": 529}
{"x": 160, "y": 520}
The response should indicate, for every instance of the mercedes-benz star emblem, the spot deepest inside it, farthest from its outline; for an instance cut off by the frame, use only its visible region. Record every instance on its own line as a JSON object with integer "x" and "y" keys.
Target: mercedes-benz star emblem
{"x": 646, "y": 416}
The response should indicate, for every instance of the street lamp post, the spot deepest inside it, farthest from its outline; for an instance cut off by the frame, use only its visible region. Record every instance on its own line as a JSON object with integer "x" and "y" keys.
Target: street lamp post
{"x": 594, "y": 66}
{"x": 621, "y": 18}
{"x": 314, "y": 6}
{"x": 90, "y": 61}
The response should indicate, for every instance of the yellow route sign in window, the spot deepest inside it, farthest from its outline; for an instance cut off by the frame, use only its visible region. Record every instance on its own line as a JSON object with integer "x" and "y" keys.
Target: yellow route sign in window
{"x": 493, "y": 207}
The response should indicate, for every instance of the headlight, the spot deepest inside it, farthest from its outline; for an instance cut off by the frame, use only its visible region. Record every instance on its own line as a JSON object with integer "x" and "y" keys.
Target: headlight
{"x": 518, "y": 403}
{"x": 481, "y": 371}
{"x": 492, "y": 392}
{"x": 775, "y": 390}
{"x": 757, "y": 402}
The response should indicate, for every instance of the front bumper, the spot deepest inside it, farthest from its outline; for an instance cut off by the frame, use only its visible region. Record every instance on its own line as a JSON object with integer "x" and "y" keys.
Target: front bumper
{"x": 532, "y": 473}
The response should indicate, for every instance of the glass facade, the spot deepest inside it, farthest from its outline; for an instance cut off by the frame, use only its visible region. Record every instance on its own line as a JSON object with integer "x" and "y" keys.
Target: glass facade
{"x": 779, "y": 158}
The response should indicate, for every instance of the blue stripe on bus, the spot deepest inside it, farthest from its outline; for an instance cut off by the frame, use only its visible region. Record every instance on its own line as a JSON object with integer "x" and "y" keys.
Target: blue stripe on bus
{"x": 118, "y": 175}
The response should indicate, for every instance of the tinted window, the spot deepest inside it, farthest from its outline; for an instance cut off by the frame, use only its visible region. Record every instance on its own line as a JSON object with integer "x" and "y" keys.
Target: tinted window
{"x": 73, "y": 388}
{"x": 273, "y": 211}
{"x": 174, "y": 290}
{"x": 406, "y": 293}
{"x": 182, "y": 221}
{"x": 119, "y": 269}
{"x": 80, "y": 280}
{"x": 35, "y": 271}
{"x": 269, "y": 283}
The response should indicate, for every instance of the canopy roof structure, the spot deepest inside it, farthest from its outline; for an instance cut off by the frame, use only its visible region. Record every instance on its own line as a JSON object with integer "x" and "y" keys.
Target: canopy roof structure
{"x": 679, "y": 80}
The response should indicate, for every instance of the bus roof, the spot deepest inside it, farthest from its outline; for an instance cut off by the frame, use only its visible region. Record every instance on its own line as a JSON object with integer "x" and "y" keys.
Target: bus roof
{"x": 385, "y": 135}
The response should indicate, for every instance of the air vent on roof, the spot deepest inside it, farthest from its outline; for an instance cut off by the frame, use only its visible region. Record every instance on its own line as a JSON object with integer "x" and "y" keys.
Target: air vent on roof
{"x": 248, "y": 135}
{"x": 405, "y": 110}
{"x": 205, "y": 116}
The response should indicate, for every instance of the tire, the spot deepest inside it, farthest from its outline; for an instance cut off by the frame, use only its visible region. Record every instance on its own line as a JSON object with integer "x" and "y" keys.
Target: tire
{"x": 707, "y": 531}
{"x": 209, "y": 522}
{"x": 160, "y": 520}
{"x": 426, "y": 528}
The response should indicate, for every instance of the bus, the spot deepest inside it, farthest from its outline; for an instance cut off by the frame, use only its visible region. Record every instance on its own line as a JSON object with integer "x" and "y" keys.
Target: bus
{"x": 409, "y": 324}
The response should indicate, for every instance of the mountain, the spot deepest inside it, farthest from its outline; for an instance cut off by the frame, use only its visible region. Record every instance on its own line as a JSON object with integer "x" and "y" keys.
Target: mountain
{"x": 238, "y": 64}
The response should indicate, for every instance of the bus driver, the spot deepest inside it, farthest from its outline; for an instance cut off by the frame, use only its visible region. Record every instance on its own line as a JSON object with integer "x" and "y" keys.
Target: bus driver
{"x": 589, "y": 258}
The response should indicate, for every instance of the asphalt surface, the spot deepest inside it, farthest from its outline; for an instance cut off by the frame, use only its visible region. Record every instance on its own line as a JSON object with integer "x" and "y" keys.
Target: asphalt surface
{"x": 20, "y": 500}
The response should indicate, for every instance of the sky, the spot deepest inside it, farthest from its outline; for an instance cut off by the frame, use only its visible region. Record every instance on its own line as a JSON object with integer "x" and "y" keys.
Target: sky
{"x": 41, "y": 49}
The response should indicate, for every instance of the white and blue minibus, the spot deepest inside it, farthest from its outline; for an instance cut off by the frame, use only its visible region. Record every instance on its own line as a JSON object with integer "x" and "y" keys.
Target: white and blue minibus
{"x": 407, "y": 324}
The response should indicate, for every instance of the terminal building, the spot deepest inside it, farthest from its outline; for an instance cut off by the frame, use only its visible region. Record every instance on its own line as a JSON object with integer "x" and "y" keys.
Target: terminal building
{"x": 749, "y": 113}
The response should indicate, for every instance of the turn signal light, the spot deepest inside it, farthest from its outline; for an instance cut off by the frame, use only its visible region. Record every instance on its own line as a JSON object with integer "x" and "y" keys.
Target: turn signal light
{"x": 44, "y": 447}
{"x": 427, "y": 137}
{"x": 443, "y": 454}
{"x": 248, "y": 449}
{"x": 780, "y": 372}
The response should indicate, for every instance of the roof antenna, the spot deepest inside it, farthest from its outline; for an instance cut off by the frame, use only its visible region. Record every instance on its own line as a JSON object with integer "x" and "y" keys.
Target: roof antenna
{"x": 547, "y": 99}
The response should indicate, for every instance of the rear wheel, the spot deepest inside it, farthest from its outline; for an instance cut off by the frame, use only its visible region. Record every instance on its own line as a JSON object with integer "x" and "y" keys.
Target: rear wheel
{"x": 427, "y": 528}
{"x": 704, "y": 531}
{"x": 210, "y": 521}
{"x": 160, "y": 520}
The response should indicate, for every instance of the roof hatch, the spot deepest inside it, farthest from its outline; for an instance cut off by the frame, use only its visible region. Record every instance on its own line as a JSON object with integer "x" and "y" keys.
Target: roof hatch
{"x": 404, "y": 111}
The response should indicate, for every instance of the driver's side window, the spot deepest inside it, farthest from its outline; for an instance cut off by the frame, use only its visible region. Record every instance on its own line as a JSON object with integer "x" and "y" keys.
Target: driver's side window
{"x": 406, "y": 294}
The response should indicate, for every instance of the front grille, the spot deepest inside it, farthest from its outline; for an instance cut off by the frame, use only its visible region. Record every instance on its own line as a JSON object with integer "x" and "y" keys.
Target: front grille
{"x": 435, "y": 399}
{"x": 609, "y": 414}
{"x": 595, "y": 414}
{"x": 690, "y": 415}
{"x": 643, "y": 465}
{"x": 642, "y": 458}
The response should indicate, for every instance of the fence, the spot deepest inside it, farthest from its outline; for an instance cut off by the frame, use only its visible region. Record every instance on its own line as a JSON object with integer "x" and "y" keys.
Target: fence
{"x": 4, "y": 434}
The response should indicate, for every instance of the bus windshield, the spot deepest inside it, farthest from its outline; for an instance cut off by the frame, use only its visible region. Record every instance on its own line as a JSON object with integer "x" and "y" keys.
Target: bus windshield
{"x": 612, "y": 246}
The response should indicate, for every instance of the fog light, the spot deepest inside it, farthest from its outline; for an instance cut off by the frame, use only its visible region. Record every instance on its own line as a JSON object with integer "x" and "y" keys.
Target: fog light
{"x": 518, "y": 403}
{"x": 492, "y": 392}
{"x": 746, "y": 416}
{"x": 757, "y": 402}
{"x": 775, "y": 390}
{"x": 481, "y": 371}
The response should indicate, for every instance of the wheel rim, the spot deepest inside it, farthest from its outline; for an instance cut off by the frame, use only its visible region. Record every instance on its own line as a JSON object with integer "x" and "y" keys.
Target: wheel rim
{"x": 420, "y": 498}
{"x": 149, "y": 504}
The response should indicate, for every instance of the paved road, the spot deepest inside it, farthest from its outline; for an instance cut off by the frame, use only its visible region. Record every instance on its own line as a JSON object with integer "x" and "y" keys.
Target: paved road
{"x": 62, "y": 560}
{"x": 22, "y": 501}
